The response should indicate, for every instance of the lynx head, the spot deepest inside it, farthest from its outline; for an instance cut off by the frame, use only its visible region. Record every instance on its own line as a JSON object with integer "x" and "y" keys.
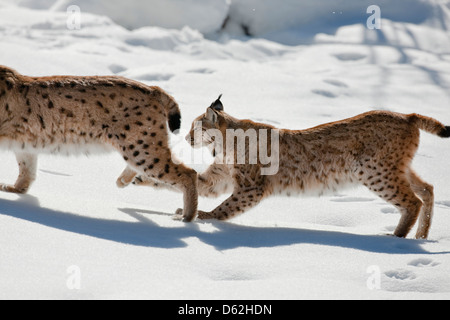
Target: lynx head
{"x": 205, "y": 127}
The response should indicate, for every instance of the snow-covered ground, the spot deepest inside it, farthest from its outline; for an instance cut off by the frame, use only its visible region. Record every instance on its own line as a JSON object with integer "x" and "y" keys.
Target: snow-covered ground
{"x": 76, "y": 236}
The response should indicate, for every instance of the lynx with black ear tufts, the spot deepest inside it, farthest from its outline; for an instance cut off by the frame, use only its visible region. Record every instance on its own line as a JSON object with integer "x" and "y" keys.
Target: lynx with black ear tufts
{"x": 374, "y": 149}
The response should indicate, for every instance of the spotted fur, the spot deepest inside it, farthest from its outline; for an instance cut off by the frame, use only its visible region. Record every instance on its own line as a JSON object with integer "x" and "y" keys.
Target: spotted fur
{"x": 72, "y": 115}
{"x": 374, "y": 149}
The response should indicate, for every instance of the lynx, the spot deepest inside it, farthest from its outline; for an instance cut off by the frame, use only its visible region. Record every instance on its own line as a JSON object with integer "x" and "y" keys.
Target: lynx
{"x": 374, "y": 149}
{"x": 74, "y": 115}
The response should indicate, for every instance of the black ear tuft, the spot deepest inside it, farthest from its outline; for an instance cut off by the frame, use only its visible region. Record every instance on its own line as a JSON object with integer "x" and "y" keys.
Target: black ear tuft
{"x": 217, "y": 105}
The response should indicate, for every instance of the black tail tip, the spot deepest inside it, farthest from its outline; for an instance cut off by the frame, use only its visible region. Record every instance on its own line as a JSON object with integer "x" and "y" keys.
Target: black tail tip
{"x": 174, "y": 122}
{"x": 445, "y": 133}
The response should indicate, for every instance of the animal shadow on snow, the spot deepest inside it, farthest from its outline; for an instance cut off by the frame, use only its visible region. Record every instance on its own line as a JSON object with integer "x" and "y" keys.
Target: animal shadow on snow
{"x": 145, "y": 232}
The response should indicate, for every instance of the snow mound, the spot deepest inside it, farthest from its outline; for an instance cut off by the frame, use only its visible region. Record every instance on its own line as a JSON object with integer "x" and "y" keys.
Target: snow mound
{"x": 162, "y": 39}
{"x": 205, "y": 16}
{"x": 263, "y": 16}
{"x": 253, "y": 17}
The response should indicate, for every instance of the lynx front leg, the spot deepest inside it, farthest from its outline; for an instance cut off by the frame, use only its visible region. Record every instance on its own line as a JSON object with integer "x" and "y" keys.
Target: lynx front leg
{"x": 154, "y": 183}
{"x": 27, "y": 174}
{"x": 213, "y": 183}
{"x": 239, "y": 202}
{"x": 129, "y": 176}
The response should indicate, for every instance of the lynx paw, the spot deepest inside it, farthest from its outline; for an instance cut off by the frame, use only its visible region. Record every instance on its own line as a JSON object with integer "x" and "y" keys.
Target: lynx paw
{"x": 125, "y": 181}
{"x": 202, "y": 215}
{"x": 12, "y": 189}
{"x": 122, "y": 182}
{"x": 179, "y": 216}
{"x": 125, "y": 178}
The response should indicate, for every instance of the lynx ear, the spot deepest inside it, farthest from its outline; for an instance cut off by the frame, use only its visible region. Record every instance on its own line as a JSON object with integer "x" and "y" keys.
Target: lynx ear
{"x": 211, "y": 115}
{"x": 217, "y": 105}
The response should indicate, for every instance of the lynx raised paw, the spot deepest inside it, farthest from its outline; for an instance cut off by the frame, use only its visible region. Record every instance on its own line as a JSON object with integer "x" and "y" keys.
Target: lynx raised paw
{"x": 122, "y": 183}
{"x": 125, "y": 178}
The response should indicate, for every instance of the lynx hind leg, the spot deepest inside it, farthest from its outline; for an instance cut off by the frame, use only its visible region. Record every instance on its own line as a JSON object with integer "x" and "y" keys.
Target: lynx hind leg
{"x": 27, "y": 174}
{"x": 426, "y": 193}
{"x": 396, "y": 189}
{"x": 410, "y": 211}
{"x": 126, "y": 177}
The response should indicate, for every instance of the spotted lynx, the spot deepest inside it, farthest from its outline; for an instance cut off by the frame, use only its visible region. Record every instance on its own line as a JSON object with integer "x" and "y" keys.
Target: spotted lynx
{"x": 374, "y": 149}
{"x": 72, "y": 115}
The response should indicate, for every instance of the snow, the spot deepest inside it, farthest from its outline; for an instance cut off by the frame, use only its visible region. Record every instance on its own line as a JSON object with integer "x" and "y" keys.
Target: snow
{"x": 202, "y": 15}
{"x": 262, "y": 16}
{"x": 76, "y": 236}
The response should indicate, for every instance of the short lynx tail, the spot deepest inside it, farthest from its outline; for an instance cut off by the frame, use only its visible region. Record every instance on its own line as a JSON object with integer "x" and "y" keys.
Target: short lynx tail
{"x": 175, "y": 121}
{"x": 172, "y": 111}
{"x": 430, "y": 125}
{"x": 174, "y": 116}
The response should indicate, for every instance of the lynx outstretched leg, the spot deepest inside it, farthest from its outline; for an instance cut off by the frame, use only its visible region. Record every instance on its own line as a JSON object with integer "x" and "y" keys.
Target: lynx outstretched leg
{"x": 239, "y": 202}
{"x": 27, "y": 174}
{"x": 213, "y": 183}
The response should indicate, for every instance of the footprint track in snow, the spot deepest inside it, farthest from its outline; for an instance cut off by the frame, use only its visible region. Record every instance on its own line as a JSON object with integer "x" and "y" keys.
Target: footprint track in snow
{"x": 401, "y": 274}
{"x": 414, "y": 277}
{"x": 201, "y": 70}
{"x": 423, "y": 263}
{"x": 336, "y": 83}
{"x": 117, "y": 68}
{"x": 327, "y": 93}
{"x": 324, "y": 93}
{"x": 404, "y": 274}
{"x": 156, "y": 76}
{"x": 350, "y": 56}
